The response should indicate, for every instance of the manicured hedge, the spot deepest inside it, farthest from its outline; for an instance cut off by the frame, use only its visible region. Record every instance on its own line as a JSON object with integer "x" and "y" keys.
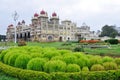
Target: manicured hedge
{"x": 36, "y": 75}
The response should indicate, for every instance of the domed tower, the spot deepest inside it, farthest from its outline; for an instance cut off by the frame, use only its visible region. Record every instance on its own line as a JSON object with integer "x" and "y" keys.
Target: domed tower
{"x": 35, "y": 19}
{"x": 54, "y": 19}
{"x": 43, "y": 19}
{"x": 23, "y": 22}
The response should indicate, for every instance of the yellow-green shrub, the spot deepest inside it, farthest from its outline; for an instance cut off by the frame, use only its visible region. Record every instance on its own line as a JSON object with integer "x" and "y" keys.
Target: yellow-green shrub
{"x": 97, "y": 67}
{"x": 55, "y": 66}
{"x": 73, "y": 68}
{"x": 110, "y": 66}
{"x": 36, "y": 64}
{"x": 22, "y": 60}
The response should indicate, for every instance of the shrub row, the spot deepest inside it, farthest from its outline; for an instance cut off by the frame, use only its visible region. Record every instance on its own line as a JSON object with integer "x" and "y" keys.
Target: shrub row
{"x": 35, "y": 75}
{"x": 52, "y": 60}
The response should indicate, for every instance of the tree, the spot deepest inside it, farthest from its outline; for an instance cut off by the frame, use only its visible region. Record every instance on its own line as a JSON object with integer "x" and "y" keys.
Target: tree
{"x": 109, "y": 31}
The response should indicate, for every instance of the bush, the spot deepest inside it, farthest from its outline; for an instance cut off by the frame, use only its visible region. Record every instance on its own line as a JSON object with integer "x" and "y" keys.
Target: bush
{"x": 70, "y": 59}
{"x": 36, "y": 64}
{"x": 85, "y": 69}
{"x": 73, "y": 68}
{"x": 83, "y": 62}
{"x": 49, "y": 54}
{"x": 22, "y": 60}
{"x": 12, "y": 58}
{"x": 110, "y": 66}
{"x": 55, "y": 66}
{"x": 57, "y": 58}
{"x": 35, "y": 75}
{"x": 21, "y": 43}
{"x": 35, "y": 55}
{"x": 107, "y": 59}
{"x": 112, "y": 41}
{"x": 79, "y": 49}
{"x": 117, "y": 61}
{"x": 3, "y": 54}
{"x": 97, "y": 67}
{"x": 95, "y": 60}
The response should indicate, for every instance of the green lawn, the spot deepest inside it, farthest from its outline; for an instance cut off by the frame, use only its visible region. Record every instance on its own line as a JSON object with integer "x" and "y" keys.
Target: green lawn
{"x": 6, "y": 77}
{"x": 114, "y": 50}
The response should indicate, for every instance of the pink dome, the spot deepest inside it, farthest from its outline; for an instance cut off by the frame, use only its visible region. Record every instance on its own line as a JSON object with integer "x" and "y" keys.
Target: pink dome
{"x": 23, "y": 21}
{"x": 36, "y": 15}
{"x": 54, "y": 14}
{"x": 42, "y": 12}
{"x": 19, "y": 23}
{"x": 11, "y": 25}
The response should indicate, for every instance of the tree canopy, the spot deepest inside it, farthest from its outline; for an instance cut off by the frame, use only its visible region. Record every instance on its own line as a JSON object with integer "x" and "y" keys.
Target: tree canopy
{"x": 109, "y": 31}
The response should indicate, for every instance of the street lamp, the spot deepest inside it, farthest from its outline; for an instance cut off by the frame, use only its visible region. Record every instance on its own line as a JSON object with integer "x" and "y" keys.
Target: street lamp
{"x": 15, "y": 17}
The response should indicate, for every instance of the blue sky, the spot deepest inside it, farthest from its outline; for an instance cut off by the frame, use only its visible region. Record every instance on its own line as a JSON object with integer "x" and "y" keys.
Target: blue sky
{"x": 95, "y": 13}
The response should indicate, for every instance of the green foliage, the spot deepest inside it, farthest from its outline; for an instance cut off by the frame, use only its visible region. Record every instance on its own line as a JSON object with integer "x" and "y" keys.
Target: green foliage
{"x": 49, "y": 54}
{"x": 83, "y": 62}
{"x": 12, "y": 58}
{"x": 36, "y": 64}
{"x": 109, "y": 31}
{"x": 97, "y": 67}
{"x": 55, "y": 66}
{"x": 73, "y": 68}
{"x": 79, "y": 49}
{"x": 64, "y": 51}
{"x": 35, "y": 75}
{"x": 95, "y": 60}
{"x": 70, "y": 59}
{"x": 117, "y": 61}
{"x": 112, "y": 41}
{"x": 3, "y": 54}
{"x": 35, "y": 55}
{"x": 22, "y": 60}
{"x": 85, "y": 69}
{"x": 110, "y": 66}
{"x": 57, "y": 58}
{"x": 107, "y": 59}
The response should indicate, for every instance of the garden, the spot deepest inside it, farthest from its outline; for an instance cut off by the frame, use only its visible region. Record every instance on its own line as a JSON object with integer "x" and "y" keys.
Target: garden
{"x": 61, "y": 61}
{"x": 45, "y": 63}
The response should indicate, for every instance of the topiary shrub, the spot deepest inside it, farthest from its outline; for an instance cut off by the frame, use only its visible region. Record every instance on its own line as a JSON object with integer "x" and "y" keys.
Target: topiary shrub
{"x": 35, "y": 55}
{"x": 57, "y": 58}
{"x": 49, "y": 54}
{"x": 55, "y": 66}
{"x": 36, "y": 64}
{"x": 110, "y": 66}
{"x": 3, "y": 54}
{"x": 95, "y": 60}
{"x": 70, "y": 59}
{"x": 85, "y": 69}
{"x": 62, "y": 52}
{"x": 6, "y": 57}
{"x": 73, "y": 68}
{"x": 22, "y": 60}
{"x": 117, "y": 61}
{"x": 12, "y": 58}
{"x": 107, "y": 59}
{"x": 112, "y": 41}
{"x": 97, "y": 67}
{"x": 83, "y": 62}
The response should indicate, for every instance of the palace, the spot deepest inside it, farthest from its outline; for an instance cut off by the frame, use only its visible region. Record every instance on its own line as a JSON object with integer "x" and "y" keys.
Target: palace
{"x": 45, "y": 29}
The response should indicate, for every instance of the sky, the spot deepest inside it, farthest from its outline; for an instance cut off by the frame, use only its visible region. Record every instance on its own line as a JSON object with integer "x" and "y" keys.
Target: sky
{"x": 95, "y": 13}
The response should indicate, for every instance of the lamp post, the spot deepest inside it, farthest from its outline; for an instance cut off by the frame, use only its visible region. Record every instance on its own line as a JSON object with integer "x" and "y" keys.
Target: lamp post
{"x": 15, "y": 17}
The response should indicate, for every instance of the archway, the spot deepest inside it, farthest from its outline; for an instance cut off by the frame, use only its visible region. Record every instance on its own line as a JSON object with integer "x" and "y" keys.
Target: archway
{"x": 60, "y": 39}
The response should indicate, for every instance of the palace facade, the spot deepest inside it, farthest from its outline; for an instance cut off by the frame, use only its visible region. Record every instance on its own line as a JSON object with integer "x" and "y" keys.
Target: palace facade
{"x": 45, "y": 29}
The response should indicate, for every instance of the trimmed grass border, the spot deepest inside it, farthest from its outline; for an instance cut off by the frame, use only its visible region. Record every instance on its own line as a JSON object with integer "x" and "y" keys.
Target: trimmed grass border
{"x": 36, "y": 75}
